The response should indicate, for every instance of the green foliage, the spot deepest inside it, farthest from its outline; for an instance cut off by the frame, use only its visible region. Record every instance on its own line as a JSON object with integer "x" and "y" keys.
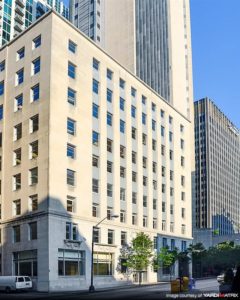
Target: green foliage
{"x": 138, "y": 256}
{"x": 166, "y": 258}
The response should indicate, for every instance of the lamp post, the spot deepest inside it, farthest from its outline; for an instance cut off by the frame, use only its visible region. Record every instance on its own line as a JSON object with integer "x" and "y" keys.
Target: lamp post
{"x": 91, "y": 287}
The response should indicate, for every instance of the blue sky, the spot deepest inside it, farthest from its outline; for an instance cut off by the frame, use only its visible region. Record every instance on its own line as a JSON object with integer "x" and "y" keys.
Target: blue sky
{"x": 216, "y": 53}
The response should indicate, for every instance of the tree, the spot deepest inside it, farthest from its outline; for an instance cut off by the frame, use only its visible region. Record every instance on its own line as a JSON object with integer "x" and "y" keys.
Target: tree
{"x": 166, "y": 258}
{"x": 138, "y": 256}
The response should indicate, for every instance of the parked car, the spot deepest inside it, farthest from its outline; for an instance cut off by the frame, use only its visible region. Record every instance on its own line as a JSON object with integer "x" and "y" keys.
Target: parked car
{"x": 13, "y": 283}
{"x": 220, "y": 277}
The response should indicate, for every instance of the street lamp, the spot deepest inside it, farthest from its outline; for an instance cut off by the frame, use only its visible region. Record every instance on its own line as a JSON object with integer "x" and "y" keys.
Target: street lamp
{"x": 91, "y": 287}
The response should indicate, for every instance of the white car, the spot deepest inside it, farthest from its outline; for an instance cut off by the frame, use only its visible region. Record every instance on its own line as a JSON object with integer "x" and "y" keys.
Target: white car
{"x": 13, "y": 283}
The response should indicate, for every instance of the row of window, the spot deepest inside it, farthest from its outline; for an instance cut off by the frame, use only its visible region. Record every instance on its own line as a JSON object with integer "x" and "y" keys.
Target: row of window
{"x": 33, "y": 126}
{"x": 32, "y": 179}
{"x": 32, "y": 232}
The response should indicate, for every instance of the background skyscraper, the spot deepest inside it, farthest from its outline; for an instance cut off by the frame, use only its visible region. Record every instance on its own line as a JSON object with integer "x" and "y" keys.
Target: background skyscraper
{"x": 16, "y": 15}
{"x": 150, "y": 37}
{"x": 217, "y": 185}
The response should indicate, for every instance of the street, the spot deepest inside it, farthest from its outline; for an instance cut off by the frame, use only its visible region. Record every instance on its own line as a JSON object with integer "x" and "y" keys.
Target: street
{"x": 156, "y": 291}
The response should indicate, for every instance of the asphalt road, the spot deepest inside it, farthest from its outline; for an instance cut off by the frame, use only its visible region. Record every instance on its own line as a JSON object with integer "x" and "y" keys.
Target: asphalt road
{"x": 157, "y": 291}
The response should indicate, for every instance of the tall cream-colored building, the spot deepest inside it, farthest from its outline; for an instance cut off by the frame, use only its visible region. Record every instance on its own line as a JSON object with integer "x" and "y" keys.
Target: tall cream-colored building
{"x": 152, "y": 38}
{"x": 83, "y": 138}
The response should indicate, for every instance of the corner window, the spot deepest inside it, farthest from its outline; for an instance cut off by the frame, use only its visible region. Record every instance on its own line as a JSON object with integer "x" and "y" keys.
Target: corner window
{"x": 2, "y": 66}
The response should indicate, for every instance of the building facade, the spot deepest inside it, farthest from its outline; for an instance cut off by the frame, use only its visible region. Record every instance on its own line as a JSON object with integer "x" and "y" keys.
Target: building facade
{"x": 153, "y": 41}
{"x": 217, "y": 181}
{"x": 83, "y": 138}
{"x": 16, "y": 15}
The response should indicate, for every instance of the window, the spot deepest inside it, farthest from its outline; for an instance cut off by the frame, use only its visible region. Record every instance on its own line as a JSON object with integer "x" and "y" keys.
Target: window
{"x": 33, "y": 176}
{"x": 163, "y": 225}
{"x": 122, "y": 194}
{"x": 71, "y": 96}
{"x": 95, "y": 138}
{"x": 109, "y": 213}
{"x": 133, "y": 92}
{"x": 122, "y": 151}
{"x": 95, "y": 161}
{"x": 162, "y": 113}
{"x": 72, "y": 47}
{"x": 109, "y": 119}
{"x": 144, "y": 162}
{"x": 153, "y": 106}
{"x": 134, "y": 219}
{"x": 171, "y": 191}
{"x": 154, "y": 145}
{"x": 70, "y": 177}
{"x": 122, "y": 216}
{"x": 154, "y": 223}
{"x": 171, "y": 175}
{"x": 122, "y": 126}
{"x": 18, "y": 103}
{"x": 95, "y": 185}
{"x": 103, "y": 263}
{"x": 2, "y": 66}
{"x": 181, "y": 128}
{"x": 17, "y": 207}
{"x": 170, "y": 119}
{"x": 95, "y": 109}
{"x": 71, "y": 231}
{"x": 109, "y": 74}
{"x": 17, "y": 157}
{"x": 1, "y": 88}
{"x": 109, "y": 95}
{"x": 154, "y": 167}
{"x": 153, "y": 125}
{"x": 183, "y": 196}
{"x": 36, "y": 66}
{"x": 19, "y": 76}
{"x": 144, "y": 221}
{"x": 16, "y": 182}
{"x": 144, "y": 181}
{"x": 162, "y": 131}
{"x": 37, "y": 42}
{"x": 16, "y": 234}
{"x": 95, "y": 210}
{"x": 122, "y": 104}
{"x": 183, "y": 229}
{"x": 71, "y": 70}
{"x": 71, "y": 262}
{"x": 182, "y": 161}
{"x": 122, "y": 172}
{"x": 109, "y": 190}
{"x": 95, "y": 86}
{"x": 183, "y": 212}
{"x": 33, "y": 202}
{"x": 25, "y": 263}
{"x": 170, "y": 136}
{"x": 32, "y": 227}
{"x": 155, "y": 185}
{"x": 172, "y": 244}
{"x": 34, "y": 123}
{"x": 133, "y": 111}
{"x": 170, "y": 154}
{"x": 184, "y": 246}
{"x": 121, "y": 83}
{"x": 171, "y": 226}
{"x": 1, "y": 112}
{"x": 171, "y": 209}
{"x": 163, "y": 206}
{"x": 96, "y": 235}
{"x": 33, "y": 150}
{"x": 71, "y": 151}
{"x": 109, "y": 145}
{"x": 35, "y": 93}
{"x": 134, "y": 176}
{"x": 144, "y": 99}
{"x": 95, "y": 64}
{"x": 182, "y": 144}
{"x": 134, "y": 197}
{"x": 163, "y": 188}
{"x": 134, "y": 133}
{"x": 71, "y": 126}
{"x": 134, "y": 157}
{"x": 123, "y": 238}
{"x": 109, "y": 166}
{"x": 163, "y": 171}
{"x": 144, "y": 201}
{"x": 144, "y": 139}
{"x": 144, "y": 117}
{"x": 110, "y": 237}
{"x": 71, "y": 204}
{"x": 182, "y": 180}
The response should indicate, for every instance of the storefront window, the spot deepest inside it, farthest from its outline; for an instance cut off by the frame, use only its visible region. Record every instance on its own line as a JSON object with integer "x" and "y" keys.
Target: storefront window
{"x": 71, "y": 262}
{"x": 25, "y": 263}
{"x": 103, "y": 263}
